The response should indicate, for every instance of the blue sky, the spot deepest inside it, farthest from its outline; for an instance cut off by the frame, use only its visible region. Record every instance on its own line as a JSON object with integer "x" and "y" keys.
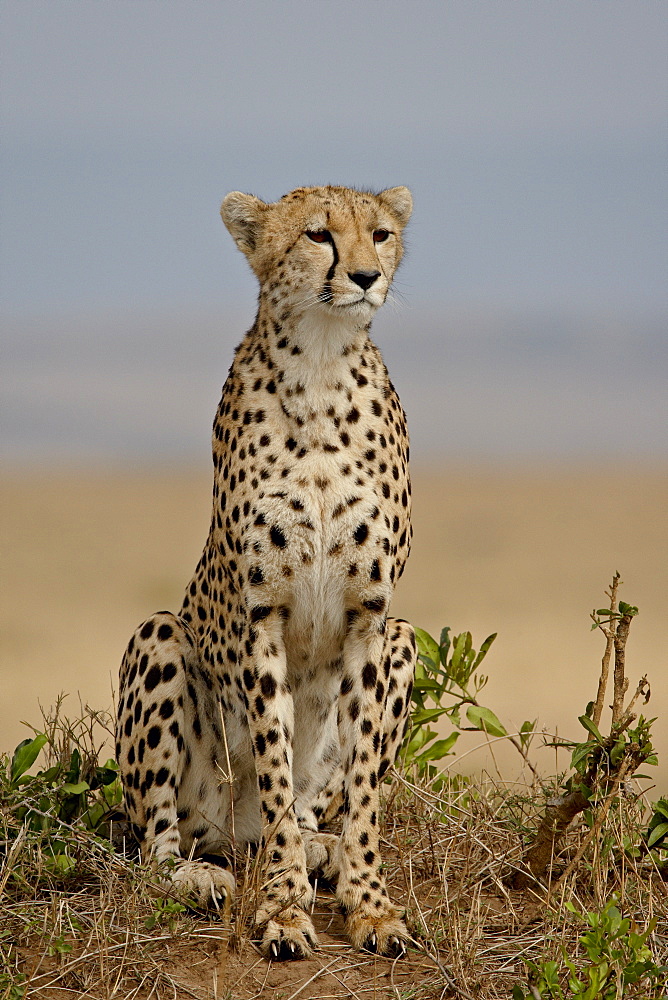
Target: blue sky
{"x": 531, "y": 308}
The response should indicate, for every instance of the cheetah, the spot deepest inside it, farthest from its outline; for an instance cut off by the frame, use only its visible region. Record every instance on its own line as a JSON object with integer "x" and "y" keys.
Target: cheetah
{"x": 282, "y": 663}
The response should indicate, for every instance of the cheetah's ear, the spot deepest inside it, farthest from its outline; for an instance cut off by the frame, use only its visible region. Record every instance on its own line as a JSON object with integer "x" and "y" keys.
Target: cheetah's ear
{"x": 400, "y": 201}
{"x": 242, "y": 214}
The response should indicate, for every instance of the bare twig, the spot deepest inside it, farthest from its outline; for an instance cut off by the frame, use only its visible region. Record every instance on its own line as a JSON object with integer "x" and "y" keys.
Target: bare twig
{"x": 605, "y": 662}
{"x": 621, "y": 682}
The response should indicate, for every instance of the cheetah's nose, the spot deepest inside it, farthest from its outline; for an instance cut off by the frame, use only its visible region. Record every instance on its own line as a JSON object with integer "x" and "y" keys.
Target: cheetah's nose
{"x": 364, "y": 279}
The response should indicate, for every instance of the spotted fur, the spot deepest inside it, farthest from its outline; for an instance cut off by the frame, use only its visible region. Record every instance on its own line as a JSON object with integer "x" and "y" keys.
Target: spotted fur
{"x": 283, "y": 655}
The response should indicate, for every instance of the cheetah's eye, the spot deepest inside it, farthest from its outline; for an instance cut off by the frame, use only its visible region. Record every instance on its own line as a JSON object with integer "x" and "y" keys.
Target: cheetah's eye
{"x": 319, "y": 235}
{"x": 380, "y": 235}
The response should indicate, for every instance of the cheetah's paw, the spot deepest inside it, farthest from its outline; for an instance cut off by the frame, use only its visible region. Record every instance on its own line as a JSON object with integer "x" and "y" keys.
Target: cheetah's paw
{"x": 201, "y": 884}
{"x": 383, "y": 933}
{"x": 289, "y": 936}
{"x": 322, "y": 855}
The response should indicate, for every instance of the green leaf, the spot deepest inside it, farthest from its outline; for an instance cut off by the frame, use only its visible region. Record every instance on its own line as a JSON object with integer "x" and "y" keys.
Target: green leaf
{"x": 483, "y": 651}
{"x": 591, "y": 727}
{"x": 60, "y": 864}
{"x": 657, "y": 833}
{"x": 427, "y": 715}
{"x": 526, "y": 730}
{"x": 485, "y": 720}
{"x": 26, "y": 754}
{"x": 581, "y": 753}
{"x": 427, "y": 646}
{"x": 627, "y": 609}
{"x": 427, "y": 685}
{"x": 75, "y": 789}
{"x": 105, "y": 775}
{"x": 444, "y": 645}
{"x": 439, "y": 749}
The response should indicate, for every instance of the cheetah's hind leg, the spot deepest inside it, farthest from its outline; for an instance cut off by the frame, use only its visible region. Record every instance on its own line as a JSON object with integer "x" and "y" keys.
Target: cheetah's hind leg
{"x": 162, "y": 696}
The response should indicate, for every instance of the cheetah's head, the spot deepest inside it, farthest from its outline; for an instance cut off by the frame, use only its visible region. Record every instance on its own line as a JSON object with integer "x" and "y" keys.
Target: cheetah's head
{"x": 332, "y": 250}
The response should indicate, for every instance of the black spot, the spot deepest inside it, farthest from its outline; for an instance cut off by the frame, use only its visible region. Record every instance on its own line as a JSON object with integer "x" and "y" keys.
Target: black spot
{"x": 165, "y": 632}
{"x": 361, "y": 533}
{"x": 153, "y": 737}
{"x": 268, "y": 685}
{"x": 259, "y": 614}
{"x": 376, "y": 605}
{"x": 277, "y": 537}
{"x": 162, "y": 776}
{"x": 161, "y": 826}
{"x": 168, "y": 671}
{"x": 153, "y": 678}
{"x": 369, "y": 675}
{"x": 255, "y": 576}
{"x": 147, "y": 630}
{"x": 375, "y": 570}
{"x": 167, "y": 708}
{"x": 353, "y": 415}
{"x": 260, "y": 744}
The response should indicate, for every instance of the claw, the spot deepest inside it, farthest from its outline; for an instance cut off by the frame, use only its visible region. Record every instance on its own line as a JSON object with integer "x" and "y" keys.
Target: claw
{"x": 292, "y": 946}
{"x": 273, "y": 948}
{"x": 397, "y": 946}
{"x": 373, "y": 941}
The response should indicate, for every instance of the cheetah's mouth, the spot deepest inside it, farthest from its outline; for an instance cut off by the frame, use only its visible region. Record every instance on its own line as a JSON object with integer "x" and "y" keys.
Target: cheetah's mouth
{"x": 361, "y": 301}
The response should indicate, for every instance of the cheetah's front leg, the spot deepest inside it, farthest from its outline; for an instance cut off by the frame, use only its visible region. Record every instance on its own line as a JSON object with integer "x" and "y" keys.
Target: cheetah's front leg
{"x": 372, "y": 921}
{"x": 287, "y": 931}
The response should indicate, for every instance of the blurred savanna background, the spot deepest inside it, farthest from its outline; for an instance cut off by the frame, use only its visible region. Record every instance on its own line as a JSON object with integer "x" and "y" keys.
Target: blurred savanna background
{"x": 526, "y": 333}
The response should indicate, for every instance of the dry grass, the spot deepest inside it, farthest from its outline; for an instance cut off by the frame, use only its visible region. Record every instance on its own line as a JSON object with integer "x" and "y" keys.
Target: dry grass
{"x": 449, "y": 847}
